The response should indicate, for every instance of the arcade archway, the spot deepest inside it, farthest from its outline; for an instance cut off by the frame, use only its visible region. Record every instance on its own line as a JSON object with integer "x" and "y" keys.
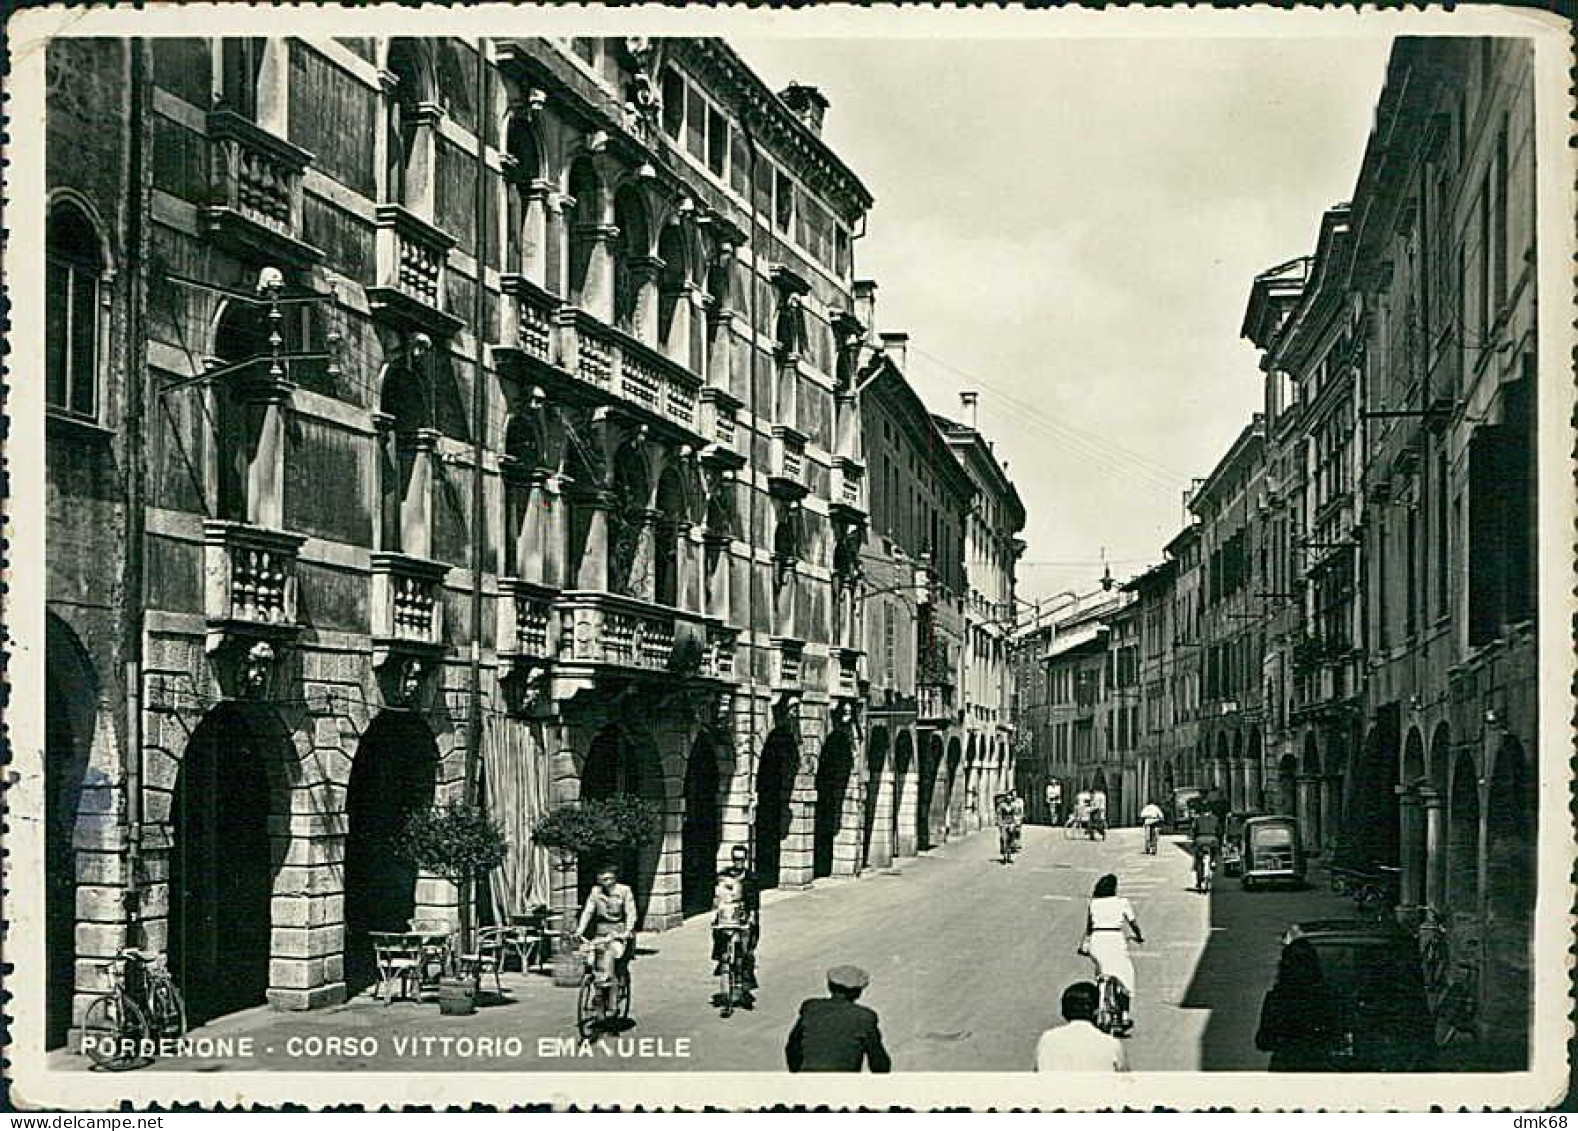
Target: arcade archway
{"x": 876, "y": 764}
{"x": 702, "y": 833}
{"x": 833, "y": 772}
{"x": 774, "y": 789}
{"x": 902, "y": 839}
{"x": 70, "y": 709}
{"x": 393, "y": 777}
{"x": 622, "y": 764}
{"x": 1511, "y": 871}
{"x": 930, "y": 815}
{"x": 222, "y": 865}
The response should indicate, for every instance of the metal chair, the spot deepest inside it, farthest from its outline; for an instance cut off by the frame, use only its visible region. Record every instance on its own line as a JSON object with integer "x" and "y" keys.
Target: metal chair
{"x": 488, "y": 958}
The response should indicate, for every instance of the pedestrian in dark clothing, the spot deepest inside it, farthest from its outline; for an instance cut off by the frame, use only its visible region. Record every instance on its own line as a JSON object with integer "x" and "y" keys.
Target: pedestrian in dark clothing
{"x": 1299, "y": 1023}
{"x": 834, "y": 1033}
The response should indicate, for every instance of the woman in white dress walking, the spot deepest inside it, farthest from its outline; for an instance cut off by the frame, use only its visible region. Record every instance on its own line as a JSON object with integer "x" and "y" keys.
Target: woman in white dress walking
{"x": 1109, "y": 921}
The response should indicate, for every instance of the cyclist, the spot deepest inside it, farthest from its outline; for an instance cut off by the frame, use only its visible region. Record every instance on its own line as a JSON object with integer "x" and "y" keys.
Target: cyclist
{"x": 1205, "y": 833}
{"x": 1019, "y": 818}
{"x": 1151, "y": 817}
{"x": 737, "y": 900}
{"x": 1082, "y": 810}
{"x": 1098, "y": 814}
{"x": 1109, "y": 920}
{"x": 1054, "y": 802}
{"x": 1005, "y": 826}
{"x": 609, "y": 914}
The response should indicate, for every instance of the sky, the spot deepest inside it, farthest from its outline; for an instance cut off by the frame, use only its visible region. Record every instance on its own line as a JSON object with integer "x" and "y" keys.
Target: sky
{"x": 1071, "y": 227}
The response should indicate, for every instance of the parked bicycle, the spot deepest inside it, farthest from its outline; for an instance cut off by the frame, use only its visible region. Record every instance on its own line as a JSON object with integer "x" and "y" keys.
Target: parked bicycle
{"x": 141, "y": 1006}
{"x": 598, "y": 1007}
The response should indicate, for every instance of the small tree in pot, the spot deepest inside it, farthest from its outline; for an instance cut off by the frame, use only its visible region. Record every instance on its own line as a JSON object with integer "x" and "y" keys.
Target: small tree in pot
{"x": 458, "y": 842}
{"x": 593, "y": 830}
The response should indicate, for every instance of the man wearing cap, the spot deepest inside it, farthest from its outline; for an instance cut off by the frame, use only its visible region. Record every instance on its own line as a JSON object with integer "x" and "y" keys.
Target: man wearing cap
{"x": 836, "y": 1033}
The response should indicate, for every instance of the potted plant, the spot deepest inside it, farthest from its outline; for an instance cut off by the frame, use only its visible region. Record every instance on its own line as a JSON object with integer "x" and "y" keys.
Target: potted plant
{"x": 459, "y": 842}
{"x": 608, "y": 826}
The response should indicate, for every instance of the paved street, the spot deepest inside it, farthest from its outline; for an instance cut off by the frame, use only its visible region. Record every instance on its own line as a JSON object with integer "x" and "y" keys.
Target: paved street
{"x": 967, "y": 959}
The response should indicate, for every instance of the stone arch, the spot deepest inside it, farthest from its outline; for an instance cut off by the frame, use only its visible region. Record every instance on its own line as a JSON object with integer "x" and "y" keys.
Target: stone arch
{"x": 835, "y": 770}
{"x": 1254, "y": 785}
{"x": 676, "y": 252}
{"x": 1510, "y": 882}
{"x": 702, "y": 834}
{"x": 619, "y": 762}
{"x": 1438, "y": 760}
{"x": 954, "y": 785}
{"x": 1462, "y": 849}
{"x": 1412, "y": 768}
{"x": 930, "y": 804}
{"x": 775, "y": 786}
{"x": 876, "y": 848}
{"x": 902, "y": 817}
{"x": 71, "y": 722}
{"x": 394, "y": 775}
{"x": 585, "y": 218}
{"x": 228, "y": 821}
{"x": 632, "y": 251}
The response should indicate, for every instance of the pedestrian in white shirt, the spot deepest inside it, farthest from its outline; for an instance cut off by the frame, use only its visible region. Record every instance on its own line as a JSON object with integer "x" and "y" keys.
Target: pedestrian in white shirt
{"x": 1079, "y": 1046}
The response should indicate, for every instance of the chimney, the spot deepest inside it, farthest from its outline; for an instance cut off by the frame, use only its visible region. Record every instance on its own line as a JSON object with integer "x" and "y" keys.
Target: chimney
{"x": 808, "y": 103}
{"x": 967, "y": 401}
{"x": 895, "y": 344}
{"x": 866, "y": 305}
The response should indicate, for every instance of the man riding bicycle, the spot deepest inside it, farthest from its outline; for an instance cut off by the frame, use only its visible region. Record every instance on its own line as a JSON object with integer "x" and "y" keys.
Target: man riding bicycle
{"x": 737, "y": 906}
{"x": 1098, "y": 814}
{"x": 1151, "y": 817}
{"x": 1006, "y": 831}
{"x": 1019, "y": 818}
{"x": 1205, "y": 832}
{"x": 608, "y": 924}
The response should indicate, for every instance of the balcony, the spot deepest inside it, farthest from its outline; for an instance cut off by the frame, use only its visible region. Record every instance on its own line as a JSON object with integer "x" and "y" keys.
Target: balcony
{"x": 848, "y": 487}
{"x": 526, "y": 620}
{"x": 411, "y": 257}
{"x": 934, "y": 705}
{"x": 249, "y": 576}
{"x": 612, "y": 631}
{"x": 788, "y": 661}
{"x": 628, "y": 371}
{"x": 720, "y": 427}
{"x": 254, "y": 181}
{"x": 786, "y": 472}
{"x": 407, "y": 605}
{"x": 528, "y": 319}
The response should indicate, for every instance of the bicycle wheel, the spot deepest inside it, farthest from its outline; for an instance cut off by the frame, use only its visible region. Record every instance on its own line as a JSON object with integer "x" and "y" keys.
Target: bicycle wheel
{"x": 1104, "y": 1005}
{"x": 588, "y": 1008}
{"x": 726, "y": 982}
{"x": 113, "y": 1029}
{"x": 622, "y": 992}
{"x": 166, "y": 1010}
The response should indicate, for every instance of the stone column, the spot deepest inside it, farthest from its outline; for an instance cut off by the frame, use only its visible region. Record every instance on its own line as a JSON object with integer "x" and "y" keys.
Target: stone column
{"x": 719, "y": 353}
{"x": 592, "y": 570}
{"x": 534, "y": 242}
{"x": 416, "y": 505}
{"x": 695, "y": 358}
{"x": 532, "y": 556}
{"x": 555, "y": 247}
{"x": 643, "y": 570}
{"x": 1235, "y": 785}
{"x": 1411, "y": 817}
{"x": 644, "y": 273}
{"x": 419, "y": 192}
{"x": 266, "y": 407}
{"x": 676, "y": 344}
{"x": 554, "y": 531}
{"x": 1435, "y": 846}
{"x": 1309, "y": 808}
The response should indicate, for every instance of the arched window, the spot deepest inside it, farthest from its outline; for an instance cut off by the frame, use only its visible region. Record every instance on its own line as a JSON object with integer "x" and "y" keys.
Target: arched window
{"x": 631, "y": 249}
{"x": 584, "y": 217}
{"x": 674, "y": 253}
{"x": 74, "y": 269}
{"x": 241, "y": 65}
{"x": 526, "y": 239}
{"x": 626, "y": 519}
{"x": 672, "y": 510}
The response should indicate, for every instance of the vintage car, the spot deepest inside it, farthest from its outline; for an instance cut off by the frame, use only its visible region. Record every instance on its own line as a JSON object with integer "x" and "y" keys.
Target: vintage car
{"x": 1372, "y": 971}
{"x": 1185, "y": 797}
{"x": 1233, "y": 843}
{"x": 1271, "y": 851}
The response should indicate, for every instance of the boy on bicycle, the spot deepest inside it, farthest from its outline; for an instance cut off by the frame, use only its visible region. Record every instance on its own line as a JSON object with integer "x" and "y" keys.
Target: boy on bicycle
{"x": 737, "y": 906}
{"x": 1205, "y": 832}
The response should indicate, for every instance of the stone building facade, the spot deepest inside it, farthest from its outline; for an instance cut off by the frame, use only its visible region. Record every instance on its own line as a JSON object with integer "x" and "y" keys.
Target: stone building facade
{"x": 437, "y": 420}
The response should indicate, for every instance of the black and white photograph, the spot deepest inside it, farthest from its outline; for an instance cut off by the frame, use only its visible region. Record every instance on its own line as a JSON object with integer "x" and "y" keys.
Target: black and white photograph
{"x": 1021, "y": 558}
